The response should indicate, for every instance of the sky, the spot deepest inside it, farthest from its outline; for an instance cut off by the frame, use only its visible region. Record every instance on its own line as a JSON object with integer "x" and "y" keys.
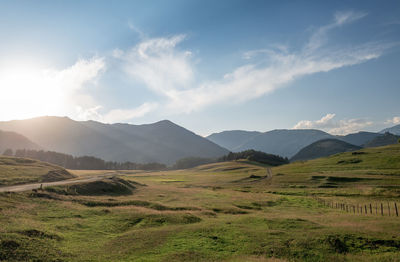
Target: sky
{"x": 206, "y": 65}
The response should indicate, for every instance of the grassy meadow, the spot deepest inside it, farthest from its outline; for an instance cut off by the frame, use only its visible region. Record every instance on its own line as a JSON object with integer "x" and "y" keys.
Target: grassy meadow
{"x": 230, "y": 211}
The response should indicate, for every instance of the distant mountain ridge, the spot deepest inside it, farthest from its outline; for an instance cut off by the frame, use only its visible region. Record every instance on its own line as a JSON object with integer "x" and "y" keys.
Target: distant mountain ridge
{"x": 395, "y": 130}
{"x": 282, "y": 142}
{"x": 323, "y": 148}
{"x": 163, "y": 142}
{"x": 233, "y": 139}
{"x": 359, "y": 138}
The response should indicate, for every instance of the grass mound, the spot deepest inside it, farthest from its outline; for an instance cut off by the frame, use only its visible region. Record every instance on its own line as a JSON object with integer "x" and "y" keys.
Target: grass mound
{"x": 109, "y": 186}
{"x": 14, "y": 170}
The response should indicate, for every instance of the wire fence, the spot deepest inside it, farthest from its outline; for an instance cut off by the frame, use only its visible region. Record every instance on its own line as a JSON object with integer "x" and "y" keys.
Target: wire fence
{"x": 376, "y": 208}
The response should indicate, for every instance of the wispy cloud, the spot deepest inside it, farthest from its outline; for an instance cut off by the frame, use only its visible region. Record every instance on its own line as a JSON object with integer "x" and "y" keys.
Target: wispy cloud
{"x": 122, "y": 115}
{"x": 319, "y": 37}
{"x": 169, "y": 71}
{"x": 159, "y": 64}
{"x": 337, "y": 127}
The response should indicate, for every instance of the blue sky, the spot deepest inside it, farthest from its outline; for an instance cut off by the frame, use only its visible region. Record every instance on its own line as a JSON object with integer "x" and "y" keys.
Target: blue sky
{"x": 206, "y": 65}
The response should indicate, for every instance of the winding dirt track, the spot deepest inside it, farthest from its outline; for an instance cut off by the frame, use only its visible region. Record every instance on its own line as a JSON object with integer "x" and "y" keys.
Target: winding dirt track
{"x": 26, "y": 187}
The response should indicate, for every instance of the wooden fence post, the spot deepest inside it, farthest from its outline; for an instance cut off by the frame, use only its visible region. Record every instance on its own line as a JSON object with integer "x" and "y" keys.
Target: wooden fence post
{"x": 381, "y": 209}
{"x": 388, "y": 208}
{"x": 395, "y": 206}
{"x": 370, "y": 208}
{"x": 354, "y": 209}
{"x": 376, "y": 208}
{"x": 366, "y": 211}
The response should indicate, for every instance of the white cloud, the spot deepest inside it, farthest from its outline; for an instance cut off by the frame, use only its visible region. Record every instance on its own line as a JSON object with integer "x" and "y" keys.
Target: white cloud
{"x": 395, "y": 120}
{"x": 169, "y": 71}
{"x": 122, "y": 115}
{"x": 337, "y": 127}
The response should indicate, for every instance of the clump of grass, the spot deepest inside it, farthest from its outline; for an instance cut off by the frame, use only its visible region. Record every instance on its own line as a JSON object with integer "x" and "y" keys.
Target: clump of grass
{"x": 33, "y": 233}
{"x": 349, "y": 161}
{"x": 317, "y": 177}
{"x": 232, "y": 211}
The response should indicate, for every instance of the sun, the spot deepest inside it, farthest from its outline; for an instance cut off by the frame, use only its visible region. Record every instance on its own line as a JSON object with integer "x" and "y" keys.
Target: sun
{"x": 28, "y": 91}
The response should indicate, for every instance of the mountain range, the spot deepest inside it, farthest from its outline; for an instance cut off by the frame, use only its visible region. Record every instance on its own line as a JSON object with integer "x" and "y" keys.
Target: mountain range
{"x": 288, "y": 142}
{"x": 163, "y": 142}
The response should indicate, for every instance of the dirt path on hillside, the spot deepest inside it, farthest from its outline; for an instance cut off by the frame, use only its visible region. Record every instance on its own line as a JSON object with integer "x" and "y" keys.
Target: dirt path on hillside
{"x": 269, "y": 173}
{"x": 26, "y": 187}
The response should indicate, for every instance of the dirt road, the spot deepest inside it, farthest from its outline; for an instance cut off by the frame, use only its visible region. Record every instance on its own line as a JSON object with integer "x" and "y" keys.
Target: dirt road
{"x": 26, "y": 187}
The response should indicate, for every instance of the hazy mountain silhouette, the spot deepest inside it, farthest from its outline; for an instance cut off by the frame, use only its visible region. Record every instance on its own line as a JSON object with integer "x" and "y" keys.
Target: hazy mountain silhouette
{"x": 233, "y": 139}
{"x": 14, "y": 141}
{"x": 394, "y": 130}
{"x": 283, "y": 142}
{"x": 322, "y": 148}
{"x": 359, "y": 138}
{"x": 383, "y": 140}
{"x": 163, "y": 142}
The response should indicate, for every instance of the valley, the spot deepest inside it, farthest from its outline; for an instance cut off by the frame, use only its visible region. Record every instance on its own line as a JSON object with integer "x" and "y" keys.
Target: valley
{"x": 230, "y": 211}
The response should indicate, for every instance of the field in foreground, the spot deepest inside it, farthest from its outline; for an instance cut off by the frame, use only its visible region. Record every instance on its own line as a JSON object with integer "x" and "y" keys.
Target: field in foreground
{"x": 232, "y": 211}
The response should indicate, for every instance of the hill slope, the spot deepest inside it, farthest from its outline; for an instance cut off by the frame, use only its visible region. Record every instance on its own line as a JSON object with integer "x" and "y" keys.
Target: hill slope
{"x": 383, "y": 140}
{"x": 322, "y": 148}
{"x": 163, "y": 141}
{"x": 232, "y": 140}
{"x": 15, "y": 170}
{"x": 12, "y": 140}
{"x": 359, "y": 138}
{"x": 284, "y": 142}
{"x": 394, "y": 130}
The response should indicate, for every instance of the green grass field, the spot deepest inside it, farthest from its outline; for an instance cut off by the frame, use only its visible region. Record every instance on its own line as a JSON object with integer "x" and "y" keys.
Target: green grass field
{"x": 232, "y": 211}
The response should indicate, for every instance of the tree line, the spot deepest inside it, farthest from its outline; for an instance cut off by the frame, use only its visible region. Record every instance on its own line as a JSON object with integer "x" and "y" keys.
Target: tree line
{"x": 94, "y": 163}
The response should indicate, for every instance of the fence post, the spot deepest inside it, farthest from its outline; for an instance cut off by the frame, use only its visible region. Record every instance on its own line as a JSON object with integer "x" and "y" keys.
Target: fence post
{"x": 354, "y": 209}
{"x": 376, "y": 208}
{"x": 388, "y": 207}
{"x": 370, "y": 208}
{"x": 366, "y": 211}
{"x": 395, "y": 206}
{"x": 381, "y": 209}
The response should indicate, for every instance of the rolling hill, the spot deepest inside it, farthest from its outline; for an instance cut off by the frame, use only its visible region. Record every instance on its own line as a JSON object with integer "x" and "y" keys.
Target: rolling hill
{"x": 383, "y": 140}
{"x": 163, "y": 142}
{"x": 12, "y": 140}
{"x": 323, "y": 148}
